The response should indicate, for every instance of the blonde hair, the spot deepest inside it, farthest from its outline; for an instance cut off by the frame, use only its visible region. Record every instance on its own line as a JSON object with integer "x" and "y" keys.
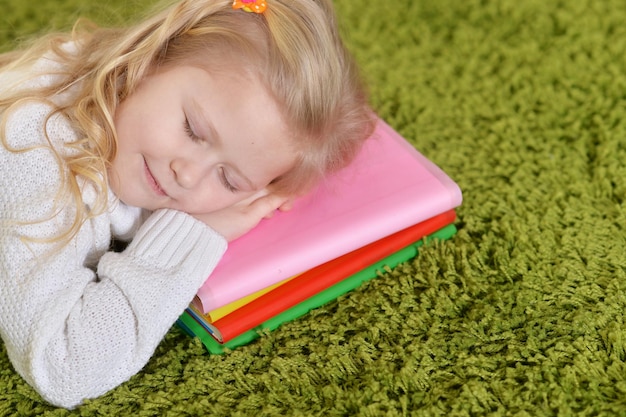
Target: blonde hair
{"x": 294, "y": 48}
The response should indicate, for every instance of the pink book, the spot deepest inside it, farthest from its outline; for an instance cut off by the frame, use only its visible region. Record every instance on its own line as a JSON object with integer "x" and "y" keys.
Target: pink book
{"x": 387, "y": 188}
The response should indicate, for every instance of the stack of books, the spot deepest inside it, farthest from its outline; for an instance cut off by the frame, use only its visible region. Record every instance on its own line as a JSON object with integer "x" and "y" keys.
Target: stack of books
{"x": 373, "y": 214}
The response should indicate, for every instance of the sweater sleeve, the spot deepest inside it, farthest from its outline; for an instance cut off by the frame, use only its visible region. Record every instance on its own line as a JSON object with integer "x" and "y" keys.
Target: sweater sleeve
{"x": 85, "y": 334}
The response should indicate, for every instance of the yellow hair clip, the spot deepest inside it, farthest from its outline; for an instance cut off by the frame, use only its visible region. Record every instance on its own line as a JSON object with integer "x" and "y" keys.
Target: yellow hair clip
{"x": 252, "y": 6}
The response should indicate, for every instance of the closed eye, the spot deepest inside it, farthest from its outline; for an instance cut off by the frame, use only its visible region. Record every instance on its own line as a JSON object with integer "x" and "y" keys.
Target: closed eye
{"x": 227, "y": 184}
{"x": 189, "y": 131}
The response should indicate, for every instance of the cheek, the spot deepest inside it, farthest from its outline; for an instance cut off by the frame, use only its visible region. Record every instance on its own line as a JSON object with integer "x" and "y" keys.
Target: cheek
{"x": 118, "y": 185}
{"x": 134, "y": 126}
{"x": 124, "y": 139}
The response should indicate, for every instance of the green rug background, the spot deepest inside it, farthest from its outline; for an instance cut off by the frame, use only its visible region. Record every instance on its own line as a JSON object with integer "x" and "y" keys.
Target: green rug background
{"x": 521, "y": 313}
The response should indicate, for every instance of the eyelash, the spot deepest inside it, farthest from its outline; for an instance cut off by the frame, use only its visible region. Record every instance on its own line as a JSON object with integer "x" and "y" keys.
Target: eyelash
{"x": 225, "y": 182}
{"x": 190, "y": 132}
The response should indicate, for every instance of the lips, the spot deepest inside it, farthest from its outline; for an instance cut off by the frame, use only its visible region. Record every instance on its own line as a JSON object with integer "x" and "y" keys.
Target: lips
{"x": 152, "y": 182}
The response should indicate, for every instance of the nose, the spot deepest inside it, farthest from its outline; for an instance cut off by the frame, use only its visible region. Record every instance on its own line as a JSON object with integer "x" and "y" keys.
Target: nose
{"x": 188, "y": 174}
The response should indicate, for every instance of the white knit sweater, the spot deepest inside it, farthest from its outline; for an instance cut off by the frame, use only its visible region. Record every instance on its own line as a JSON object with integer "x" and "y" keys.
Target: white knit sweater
{"x": 79, "y": 321}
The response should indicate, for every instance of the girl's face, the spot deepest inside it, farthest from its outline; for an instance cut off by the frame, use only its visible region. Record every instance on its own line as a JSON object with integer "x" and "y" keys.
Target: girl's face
{"x": 197, "y": 142}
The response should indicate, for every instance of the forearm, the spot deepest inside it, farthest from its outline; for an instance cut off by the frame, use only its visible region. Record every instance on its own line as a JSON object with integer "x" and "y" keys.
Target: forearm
{"x": 96, "y": 333}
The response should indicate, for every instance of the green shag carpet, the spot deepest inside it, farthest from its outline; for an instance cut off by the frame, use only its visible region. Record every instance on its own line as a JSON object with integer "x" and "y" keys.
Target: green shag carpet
{"x": 521, "y": 313}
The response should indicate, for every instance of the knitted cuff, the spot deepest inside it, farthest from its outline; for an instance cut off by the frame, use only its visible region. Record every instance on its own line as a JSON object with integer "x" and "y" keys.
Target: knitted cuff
{"x": 171, "y": 239}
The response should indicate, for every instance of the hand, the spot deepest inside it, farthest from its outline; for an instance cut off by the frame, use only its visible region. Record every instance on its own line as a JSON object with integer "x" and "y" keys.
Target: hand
{"x": 238, "y": 219}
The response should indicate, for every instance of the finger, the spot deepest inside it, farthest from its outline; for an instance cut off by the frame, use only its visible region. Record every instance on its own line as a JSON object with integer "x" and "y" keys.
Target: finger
{"x": 252, "y": 198}
{"x": 267, "y": 205}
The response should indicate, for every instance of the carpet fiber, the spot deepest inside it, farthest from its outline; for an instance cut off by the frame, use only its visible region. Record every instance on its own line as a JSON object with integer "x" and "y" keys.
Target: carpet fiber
{"x": 521, "y": 313}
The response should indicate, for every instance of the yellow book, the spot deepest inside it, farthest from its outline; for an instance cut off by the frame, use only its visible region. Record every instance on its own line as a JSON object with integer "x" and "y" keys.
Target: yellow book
{"x": 222, "y": 311}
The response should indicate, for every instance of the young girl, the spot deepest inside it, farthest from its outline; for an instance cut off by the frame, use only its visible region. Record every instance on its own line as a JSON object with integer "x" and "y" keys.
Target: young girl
{"x": 179, "y": 134}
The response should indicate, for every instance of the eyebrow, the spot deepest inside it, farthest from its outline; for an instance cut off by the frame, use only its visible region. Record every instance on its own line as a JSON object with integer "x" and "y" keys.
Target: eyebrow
{"x": 207, "y": 127}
